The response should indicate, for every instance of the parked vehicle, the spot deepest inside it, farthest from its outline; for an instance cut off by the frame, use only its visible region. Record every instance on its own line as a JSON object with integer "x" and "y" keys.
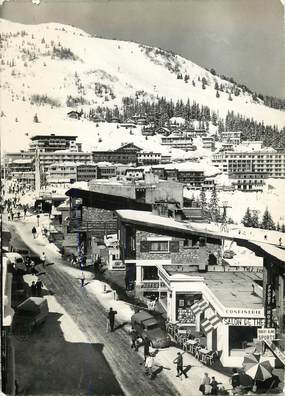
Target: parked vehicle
{"x": 147, "y": 325}
{"x": 30, "y": 313}
{"x": 17, "y": 261}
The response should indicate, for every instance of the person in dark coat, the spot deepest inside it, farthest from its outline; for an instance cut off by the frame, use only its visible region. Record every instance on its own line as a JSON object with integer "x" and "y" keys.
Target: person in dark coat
{"x": 39, "y": 288}
{"x": 235, "y": 379}
{"x": 111, "y": 316}
{"x": 34, "y": 232}
{"x": 179, "y": 365}
{"x": 214, "y": 385}
{"x": 146, "y": 346}
{"x": 134, "y": 337}
{"x": 33, "y": 289}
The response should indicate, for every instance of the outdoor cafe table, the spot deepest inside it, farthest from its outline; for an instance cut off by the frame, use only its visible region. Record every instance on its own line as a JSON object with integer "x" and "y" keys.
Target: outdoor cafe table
{"x": 191, "y": 344}
{"x": 203, "y": 353}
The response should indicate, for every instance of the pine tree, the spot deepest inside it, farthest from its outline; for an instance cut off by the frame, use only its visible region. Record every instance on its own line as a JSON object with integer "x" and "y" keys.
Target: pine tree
{"x": 214, "y": 206}
{"x": 255, "y": 220}
{"x": 247, "y": 218}
{"x": 267, "y": 222}
{"x": 36, "y": 118}
{"x": 283, "y": 228}
{"x": 217, "y": 94}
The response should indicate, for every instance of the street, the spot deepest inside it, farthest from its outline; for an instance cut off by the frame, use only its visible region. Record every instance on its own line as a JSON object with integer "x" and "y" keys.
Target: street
{"x": 103, "y": 363}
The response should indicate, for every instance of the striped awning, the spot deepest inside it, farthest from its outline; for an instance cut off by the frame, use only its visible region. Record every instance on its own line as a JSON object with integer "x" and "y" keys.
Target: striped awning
{"x": 210, "y": 324}
{"x": 199, "y": 307}
{"x": 215, "y": 320}
{"x": 206, "y": 325}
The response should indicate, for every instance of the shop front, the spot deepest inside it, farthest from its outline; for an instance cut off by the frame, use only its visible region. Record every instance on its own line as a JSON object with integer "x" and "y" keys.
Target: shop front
{"x": 195, "y": 302}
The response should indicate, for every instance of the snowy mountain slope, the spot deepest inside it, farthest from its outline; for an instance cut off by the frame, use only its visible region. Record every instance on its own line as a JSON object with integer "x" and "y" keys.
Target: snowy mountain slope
{"x": 60, "y": 61}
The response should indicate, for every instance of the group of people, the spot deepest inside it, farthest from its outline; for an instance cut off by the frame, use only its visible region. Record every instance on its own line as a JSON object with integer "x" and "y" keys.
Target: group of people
{"x": 209, "y": 386}
{"x": 36, "y": 288}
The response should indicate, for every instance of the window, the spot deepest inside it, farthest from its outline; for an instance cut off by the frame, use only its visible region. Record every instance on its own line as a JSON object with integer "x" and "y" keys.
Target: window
{"x": 161, "y": 246}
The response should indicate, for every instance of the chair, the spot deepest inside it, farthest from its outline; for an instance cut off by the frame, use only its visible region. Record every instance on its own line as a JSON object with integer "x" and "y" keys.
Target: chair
{"x": 185, "y": 346}
{"x": 211, "y": 357}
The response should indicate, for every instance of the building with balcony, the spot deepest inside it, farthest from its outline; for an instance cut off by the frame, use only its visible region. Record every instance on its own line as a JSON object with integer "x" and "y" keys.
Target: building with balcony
{"x": 148, "y": 158}
{"x": 231, "y": 137}
{"x": 53, "y": 142}
{"x": 248, "y": 181}
{"x": 125, "y": 154}
{"x": 208, "y": 142}
{"x": 86, "y": 172}
{"x": 61, "y": 173}
{"x": 268, "y": 161}
{"x": 178, "y": 140}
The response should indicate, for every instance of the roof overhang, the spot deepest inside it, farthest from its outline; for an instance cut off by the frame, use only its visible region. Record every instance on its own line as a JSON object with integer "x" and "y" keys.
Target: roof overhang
{"x": 98, "y": 200}
{"x": 165, "y": 226}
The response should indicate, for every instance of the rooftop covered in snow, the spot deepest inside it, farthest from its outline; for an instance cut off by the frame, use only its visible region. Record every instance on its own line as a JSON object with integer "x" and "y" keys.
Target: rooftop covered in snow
{"x": 169, "y": 226}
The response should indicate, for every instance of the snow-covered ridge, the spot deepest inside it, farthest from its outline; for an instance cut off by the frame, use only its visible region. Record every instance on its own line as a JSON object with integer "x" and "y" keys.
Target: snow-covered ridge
{"x": 106, "y": 70}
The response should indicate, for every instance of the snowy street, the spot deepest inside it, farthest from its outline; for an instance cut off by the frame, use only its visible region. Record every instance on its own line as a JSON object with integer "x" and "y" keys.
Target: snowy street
{"x": 74, "y": 339}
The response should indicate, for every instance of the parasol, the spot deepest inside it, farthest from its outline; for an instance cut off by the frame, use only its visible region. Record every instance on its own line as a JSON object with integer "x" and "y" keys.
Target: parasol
{"x": 257, "y": 367}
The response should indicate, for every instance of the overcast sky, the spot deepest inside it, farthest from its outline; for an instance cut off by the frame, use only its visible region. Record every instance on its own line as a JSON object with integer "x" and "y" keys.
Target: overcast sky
{"x": 240, "y": 38}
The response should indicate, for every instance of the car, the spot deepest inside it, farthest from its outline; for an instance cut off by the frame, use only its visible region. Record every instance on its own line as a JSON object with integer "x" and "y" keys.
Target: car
{"x": 31, "y": 313}
{"x": 146, "y": 325}
{"x": 17, "y": 261}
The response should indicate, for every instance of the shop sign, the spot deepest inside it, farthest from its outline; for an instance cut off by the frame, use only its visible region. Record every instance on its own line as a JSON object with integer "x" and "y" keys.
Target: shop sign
{"x": 267, "y": 334}
{"x": 250, "y": 322}
{"x": 269, "y": 299}
{"x": 244, "y": 312}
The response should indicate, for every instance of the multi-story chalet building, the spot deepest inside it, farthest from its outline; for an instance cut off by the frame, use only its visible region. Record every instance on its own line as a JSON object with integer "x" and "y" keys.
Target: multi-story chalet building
{"x": 125, "y": 154}
{"x": 52, "y": 142}
{"x": 179, "y": 141}
{"x": 86, "y": 172}
{"x": 61, "y": 173}
{"x": 208, "y": 142}
{"x": 148, "y": 158}
{"x": 232, "y": 137}
{"x": 248, "y": 181}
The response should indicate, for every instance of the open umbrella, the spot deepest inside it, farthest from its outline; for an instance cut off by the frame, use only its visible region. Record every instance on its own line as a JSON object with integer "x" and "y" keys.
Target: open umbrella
{"x": 257, "y": 367}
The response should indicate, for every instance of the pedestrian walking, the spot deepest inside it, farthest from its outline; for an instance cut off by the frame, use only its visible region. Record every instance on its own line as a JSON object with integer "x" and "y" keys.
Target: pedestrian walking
{"x": 280, "y": 241}
{"x": 39, "y": 286}
{"x": 43, "y": 259}
{"x": 34, "y": 232}
{"x": 18, "y": 215}
{"x": 134, "y": 337}
{"x": 82, "y": 279}
{"x": 265, "y": 237}
{"x": 111, "y": 317}
{"x": 33, "y": 289}
{"x": 12, "y": 215}
{"x": 214, "y": 385}
{"x": 205, "y": 386}
{"x": 179, "y": 365}
{"x": 25, "y": 211}
{"x": 146, "y": 345}
{"x": 235, "y": 380}
{"x": 149, "y": 365}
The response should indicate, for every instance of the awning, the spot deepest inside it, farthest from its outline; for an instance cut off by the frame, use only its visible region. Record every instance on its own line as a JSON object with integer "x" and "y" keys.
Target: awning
{"x": 215, "y": 320}
{"x": 210, "y": 324}
{"x": 206, "y": 326}
{"x": 199, "y": 307}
